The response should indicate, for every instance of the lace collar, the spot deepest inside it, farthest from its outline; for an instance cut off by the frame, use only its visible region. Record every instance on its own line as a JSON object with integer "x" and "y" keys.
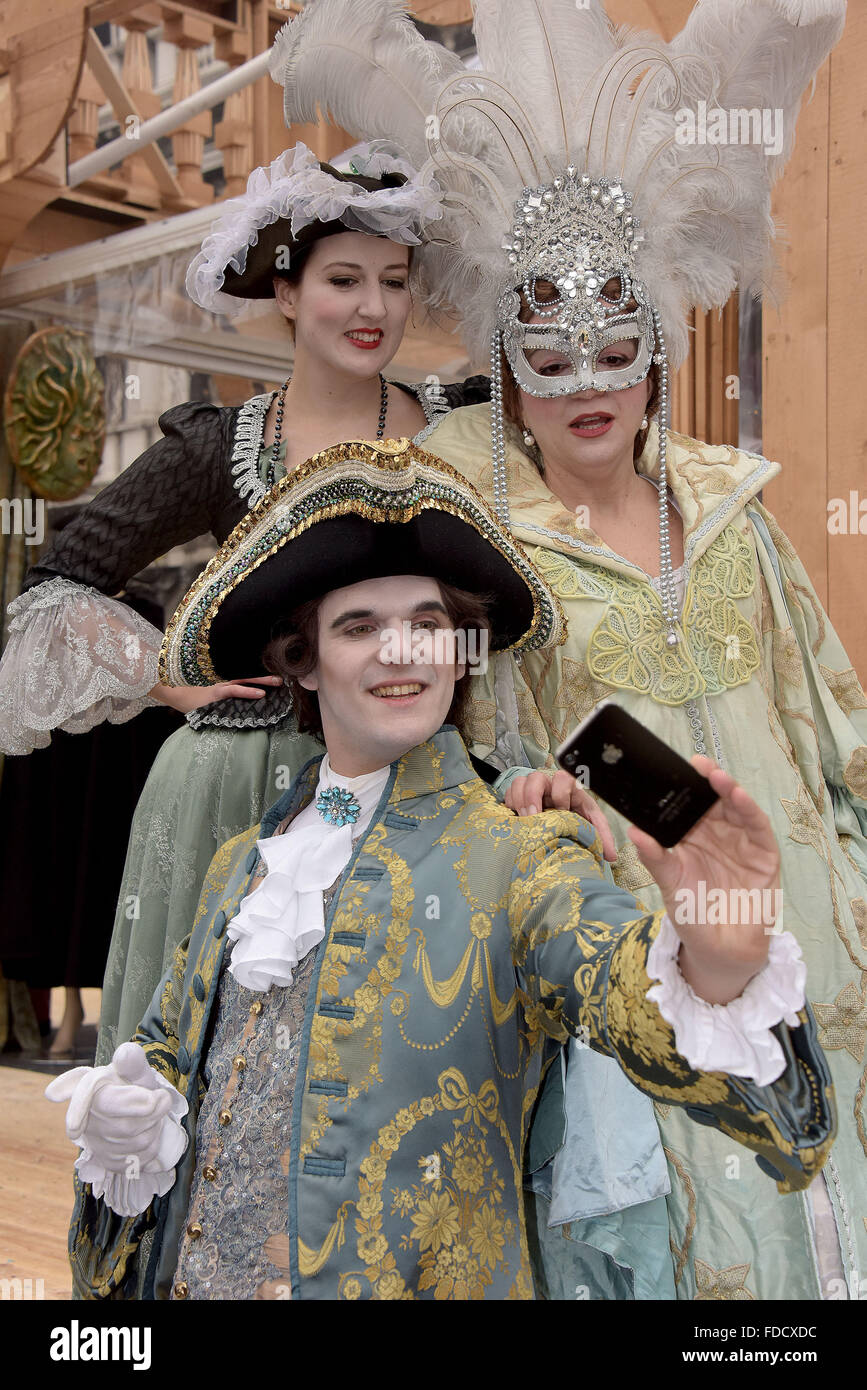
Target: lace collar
{"x": 250, "y": 428}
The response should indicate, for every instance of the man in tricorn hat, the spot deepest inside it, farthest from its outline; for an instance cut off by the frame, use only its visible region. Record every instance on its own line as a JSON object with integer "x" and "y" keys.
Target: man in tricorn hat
{"x": 330, "y": 1094}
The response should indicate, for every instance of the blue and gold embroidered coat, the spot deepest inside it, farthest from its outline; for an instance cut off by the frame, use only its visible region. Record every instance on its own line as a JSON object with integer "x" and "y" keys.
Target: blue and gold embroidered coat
{"x": 761, "y": 681}
{"x": 462, "y": 946}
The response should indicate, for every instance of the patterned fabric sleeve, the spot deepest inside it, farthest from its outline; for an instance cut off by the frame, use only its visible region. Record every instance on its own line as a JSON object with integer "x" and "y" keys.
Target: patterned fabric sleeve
{"x": 75, "y": 656}
{"x": 172, "y": 493}
{"x": 818, "y": 697}
{"x": 581, "y": 945}
{"x": 104, "y": 1247}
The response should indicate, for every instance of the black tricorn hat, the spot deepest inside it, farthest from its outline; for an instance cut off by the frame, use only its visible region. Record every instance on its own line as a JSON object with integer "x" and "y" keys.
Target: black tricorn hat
{"x": 356, "y": 511}
{"x": 265, "y": 259}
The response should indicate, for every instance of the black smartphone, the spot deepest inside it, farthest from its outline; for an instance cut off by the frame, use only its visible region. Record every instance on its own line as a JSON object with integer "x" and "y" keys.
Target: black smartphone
{"x": 622, "y": 762}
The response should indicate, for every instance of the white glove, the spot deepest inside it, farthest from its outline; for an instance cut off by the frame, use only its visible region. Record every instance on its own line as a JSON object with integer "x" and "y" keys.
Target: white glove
{"x": 125, "y": 1118}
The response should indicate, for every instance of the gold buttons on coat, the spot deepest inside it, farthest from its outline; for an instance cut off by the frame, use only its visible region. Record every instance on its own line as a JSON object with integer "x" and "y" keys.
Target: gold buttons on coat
{"x": 209, "y": 1172}
{"x": 256, "y": 1007}
{"x": 239, "y": 1063}
{"x": 180, "y": 1290}
{"x": 225, "y": 1117}
{"x": 194, "y": 1230}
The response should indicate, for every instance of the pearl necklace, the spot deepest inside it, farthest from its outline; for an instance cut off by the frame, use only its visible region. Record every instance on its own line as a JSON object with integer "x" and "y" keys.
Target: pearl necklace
{"x": 278, "y": 424}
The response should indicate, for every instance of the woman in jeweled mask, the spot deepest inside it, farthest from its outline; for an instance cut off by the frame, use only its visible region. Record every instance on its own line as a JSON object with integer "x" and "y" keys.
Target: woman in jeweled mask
{"x": 582, "y": 230}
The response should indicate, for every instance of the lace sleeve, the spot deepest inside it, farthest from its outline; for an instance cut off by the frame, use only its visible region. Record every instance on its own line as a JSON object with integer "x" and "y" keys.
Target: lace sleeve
{"x": 74, "y": 658}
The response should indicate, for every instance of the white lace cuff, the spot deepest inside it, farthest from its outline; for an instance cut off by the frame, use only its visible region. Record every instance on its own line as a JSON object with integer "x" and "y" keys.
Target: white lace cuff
{"x": 735, "y": 1037}
{"x": 74, "y": 658}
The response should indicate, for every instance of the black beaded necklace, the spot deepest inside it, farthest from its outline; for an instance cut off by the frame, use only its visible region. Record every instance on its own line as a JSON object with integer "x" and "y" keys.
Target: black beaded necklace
{"x": 278, "y": 423}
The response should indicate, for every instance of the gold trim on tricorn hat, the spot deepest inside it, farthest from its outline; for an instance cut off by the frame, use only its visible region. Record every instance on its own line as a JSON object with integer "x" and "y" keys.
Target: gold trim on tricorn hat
{"x": 312, "y": 533}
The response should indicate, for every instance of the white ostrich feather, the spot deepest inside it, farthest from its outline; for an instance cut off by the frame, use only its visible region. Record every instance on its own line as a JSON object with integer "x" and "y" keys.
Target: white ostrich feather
{"x": 560, "y": 85}
{"x": 366, "y": 65}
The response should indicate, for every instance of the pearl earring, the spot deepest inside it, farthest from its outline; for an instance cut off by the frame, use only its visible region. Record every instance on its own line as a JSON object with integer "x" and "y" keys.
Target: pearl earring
{"x": 529, "y": 439}
{"x": 645, "y": 422}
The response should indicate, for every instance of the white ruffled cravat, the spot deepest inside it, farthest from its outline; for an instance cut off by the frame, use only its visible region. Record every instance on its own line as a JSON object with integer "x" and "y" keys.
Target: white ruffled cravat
{"x": 283, "y": 918}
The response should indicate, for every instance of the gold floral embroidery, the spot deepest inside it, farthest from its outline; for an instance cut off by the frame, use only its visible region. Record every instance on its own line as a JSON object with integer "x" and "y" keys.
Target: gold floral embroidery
{"x": 628, "y": 647}
{"x": 479, "y": 719}
{"x": 855, "y": 773}
{"x": 628, "y": 870}
{"x": 567, "y": 578}
{"x": 845, "y": 687}
{"x": 680, "y": 1252}
{"x": 530, "y": 721}
{"x": 843, "y": 1024}
{"x": 457, "y": 1212}
{"x": 807, "y": 827}
{"x": 788, "y": 664}
{"x": 792, "y": 592}
{"x": 727, "y": 1283}
{"x": 859, "y": 912}
{"x": 577, "y": 694}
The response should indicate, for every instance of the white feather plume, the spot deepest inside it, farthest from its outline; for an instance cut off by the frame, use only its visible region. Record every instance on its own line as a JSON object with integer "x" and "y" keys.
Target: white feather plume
{"x": 559, "y": 84}
{"x": 366, "y": 65}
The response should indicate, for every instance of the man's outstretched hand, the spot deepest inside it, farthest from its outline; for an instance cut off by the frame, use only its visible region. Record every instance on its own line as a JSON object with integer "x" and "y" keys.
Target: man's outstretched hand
{"x": 733, "y": 849}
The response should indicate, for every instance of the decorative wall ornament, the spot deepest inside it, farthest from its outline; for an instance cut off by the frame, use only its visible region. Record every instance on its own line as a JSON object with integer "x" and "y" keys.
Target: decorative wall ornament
{"x": 55, "y": 413}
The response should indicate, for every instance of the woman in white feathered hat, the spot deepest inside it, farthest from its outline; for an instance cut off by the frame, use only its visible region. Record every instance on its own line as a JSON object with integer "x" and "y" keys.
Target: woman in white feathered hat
{"x": 580, "y": 227}
{"x": 339, "y": 251}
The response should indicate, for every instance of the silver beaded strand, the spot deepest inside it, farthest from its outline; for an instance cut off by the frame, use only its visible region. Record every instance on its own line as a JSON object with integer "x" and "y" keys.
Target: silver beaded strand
{"x": 501, "y": 491}
{"x": 667, "y": 586}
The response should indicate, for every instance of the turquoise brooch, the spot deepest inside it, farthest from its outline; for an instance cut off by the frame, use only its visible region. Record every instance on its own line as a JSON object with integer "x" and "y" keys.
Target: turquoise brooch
{"x": 337, "y": 806}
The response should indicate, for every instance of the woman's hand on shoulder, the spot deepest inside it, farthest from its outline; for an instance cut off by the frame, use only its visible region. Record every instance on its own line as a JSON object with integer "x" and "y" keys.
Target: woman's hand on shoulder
{"x": 189, "y": 697}
{"x": 559, "y": 791}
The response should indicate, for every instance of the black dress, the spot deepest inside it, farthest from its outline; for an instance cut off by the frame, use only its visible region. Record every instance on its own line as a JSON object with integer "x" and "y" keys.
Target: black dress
{"x": 182, "y": 487}
{"x": 61, "y": 856}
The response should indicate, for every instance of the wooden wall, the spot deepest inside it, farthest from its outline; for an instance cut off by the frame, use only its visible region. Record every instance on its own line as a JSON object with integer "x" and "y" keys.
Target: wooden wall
{"x": 815, "y": 346}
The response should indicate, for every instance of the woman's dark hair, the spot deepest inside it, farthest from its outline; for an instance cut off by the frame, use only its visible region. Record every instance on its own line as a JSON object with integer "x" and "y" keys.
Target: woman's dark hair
{"x": 299, "y": 259}
{"x": 294, "y": 652}
{"x": 545, "y": 293}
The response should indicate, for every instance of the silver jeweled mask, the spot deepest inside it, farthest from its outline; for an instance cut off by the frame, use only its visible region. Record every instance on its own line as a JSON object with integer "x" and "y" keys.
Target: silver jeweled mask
{"x": 577, "y": 234}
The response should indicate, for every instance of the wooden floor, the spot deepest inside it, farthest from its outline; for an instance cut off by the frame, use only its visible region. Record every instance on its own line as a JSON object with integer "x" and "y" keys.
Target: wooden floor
{"x": 36, "y": 1177}
{"x": 35, "y": 1184}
